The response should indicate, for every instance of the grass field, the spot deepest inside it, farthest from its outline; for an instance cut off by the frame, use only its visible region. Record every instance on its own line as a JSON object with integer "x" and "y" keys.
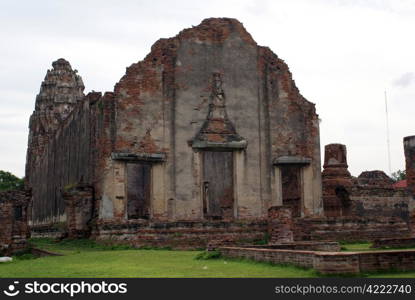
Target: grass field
{"x": 84, "y": 258}
{"x": 363, "y": 246}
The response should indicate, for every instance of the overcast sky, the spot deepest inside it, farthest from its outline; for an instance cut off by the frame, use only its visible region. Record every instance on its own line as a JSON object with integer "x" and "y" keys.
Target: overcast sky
{"x": 343, "y": 55}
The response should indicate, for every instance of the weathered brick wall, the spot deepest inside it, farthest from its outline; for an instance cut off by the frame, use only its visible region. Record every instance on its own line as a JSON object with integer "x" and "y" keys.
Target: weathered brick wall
{"x": 379, "y": 201}
{"x": 403, "y": 260}
{"x": 52, "y": 230}
{"x": 280, "y": 224}
{"x": 157, "y": 107}
{"x": 336, "y": 181}
{"x": 163, "y": 101}
{"x": 349, "y": 228}
{"x": 330, "y": 262}
{"x": 301, "y": 245}
{"x": 282, "y": 227}
{"x": 409, "y": 147}
{"x": 182, "y": 235}
{"x": 13, "y": 219}
{"x": 290, "y": 121}
{"x": 79, "y": 208}
{"x": 59, "y": 93}
{"x": 299, "y": 258}
{"x": 77, "y": 153}
{"x": 6, "y": 221}
{"x": 374, "y": 178}
{"x": 336, "y": 263}
{"x": 396, "y": 242}
{"x": 369, "y": 195}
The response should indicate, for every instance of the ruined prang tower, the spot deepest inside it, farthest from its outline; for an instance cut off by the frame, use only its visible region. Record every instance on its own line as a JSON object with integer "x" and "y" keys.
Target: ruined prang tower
{"x": 202, "y": 137}
{"x": 60, "y": 91}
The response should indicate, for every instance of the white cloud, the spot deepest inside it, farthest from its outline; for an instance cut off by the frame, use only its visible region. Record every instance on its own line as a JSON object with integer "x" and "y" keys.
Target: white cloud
{"x": 405, "y": 79}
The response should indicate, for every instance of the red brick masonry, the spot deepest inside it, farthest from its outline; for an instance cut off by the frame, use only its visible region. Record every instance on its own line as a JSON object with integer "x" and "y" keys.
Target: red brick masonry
{"x": 394, "y": 242}
{"x": 330, "y": 262}
{"x": 180, "y": 234}
{"x": 13, "y": 219}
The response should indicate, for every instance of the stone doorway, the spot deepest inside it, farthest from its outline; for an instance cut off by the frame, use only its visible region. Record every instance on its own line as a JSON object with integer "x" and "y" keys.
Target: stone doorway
{"x": 138, "y": 190}
{"x": 218, "y": 185}
{"x": 291, "y": 188}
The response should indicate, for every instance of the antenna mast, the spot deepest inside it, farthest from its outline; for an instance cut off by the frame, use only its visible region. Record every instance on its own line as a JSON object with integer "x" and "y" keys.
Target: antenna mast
{"x": 387, "y": 134}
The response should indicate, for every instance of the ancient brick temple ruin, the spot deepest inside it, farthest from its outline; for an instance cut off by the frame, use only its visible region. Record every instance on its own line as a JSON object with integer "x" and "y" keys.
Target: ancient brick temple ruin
{"x": 363, "y": 208}
{"x": 13, "y": 221}
{"x": 202, "y": 140}
{"x": 197, "y": 141}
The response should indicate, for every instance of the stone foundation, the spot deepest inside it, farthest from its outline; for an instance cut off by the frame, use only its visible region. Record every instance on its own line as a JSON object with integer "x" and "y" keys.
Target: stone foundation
{"x": 198, "y": 234}
{"x": 311, "y": 246}
{"x": 330, "y": 262}
{"x": 53, "y": 230}
{"x": 282, "y": 227}
{"x": 394, "y": 243}
{"x": 349, "y": 228}
{"x": 180, "y": 235}
{"x": 300, "y": 258}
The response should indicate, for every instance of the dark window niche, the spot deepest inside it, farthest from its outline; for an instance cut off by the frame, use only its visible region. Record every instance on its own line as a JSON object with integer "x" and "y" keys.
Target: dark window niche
{"x": 18, "y": 213}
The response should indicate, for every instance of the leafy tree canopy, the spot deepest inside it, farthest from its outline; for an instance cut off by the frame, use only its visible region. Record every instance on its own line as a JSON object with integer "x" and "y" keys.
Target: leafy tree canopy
{"x": 399, "y": 175}
{"x": 10, "y": 182}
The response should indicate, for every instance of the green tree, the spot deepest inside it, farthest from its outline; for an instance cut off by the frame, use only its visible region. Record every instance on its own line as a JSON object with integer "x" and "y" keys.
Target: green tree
{"x": 399, "y": 175}
{"x": 10, "y": 182}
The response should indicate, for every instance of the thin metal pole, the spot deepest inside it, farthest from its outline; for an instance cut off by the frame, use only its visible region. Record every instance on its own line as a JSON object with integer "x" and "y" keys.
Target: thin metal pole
{"x": 387, "y": 134}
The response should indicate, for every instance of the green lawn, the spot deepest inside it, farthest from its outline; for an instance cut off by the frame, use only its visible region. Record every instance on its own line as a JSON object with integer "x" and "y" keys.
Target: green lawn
{"x": 357, "y": 247}
{"x": 84, "y": 258}
{"x": 87, "y": 259}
